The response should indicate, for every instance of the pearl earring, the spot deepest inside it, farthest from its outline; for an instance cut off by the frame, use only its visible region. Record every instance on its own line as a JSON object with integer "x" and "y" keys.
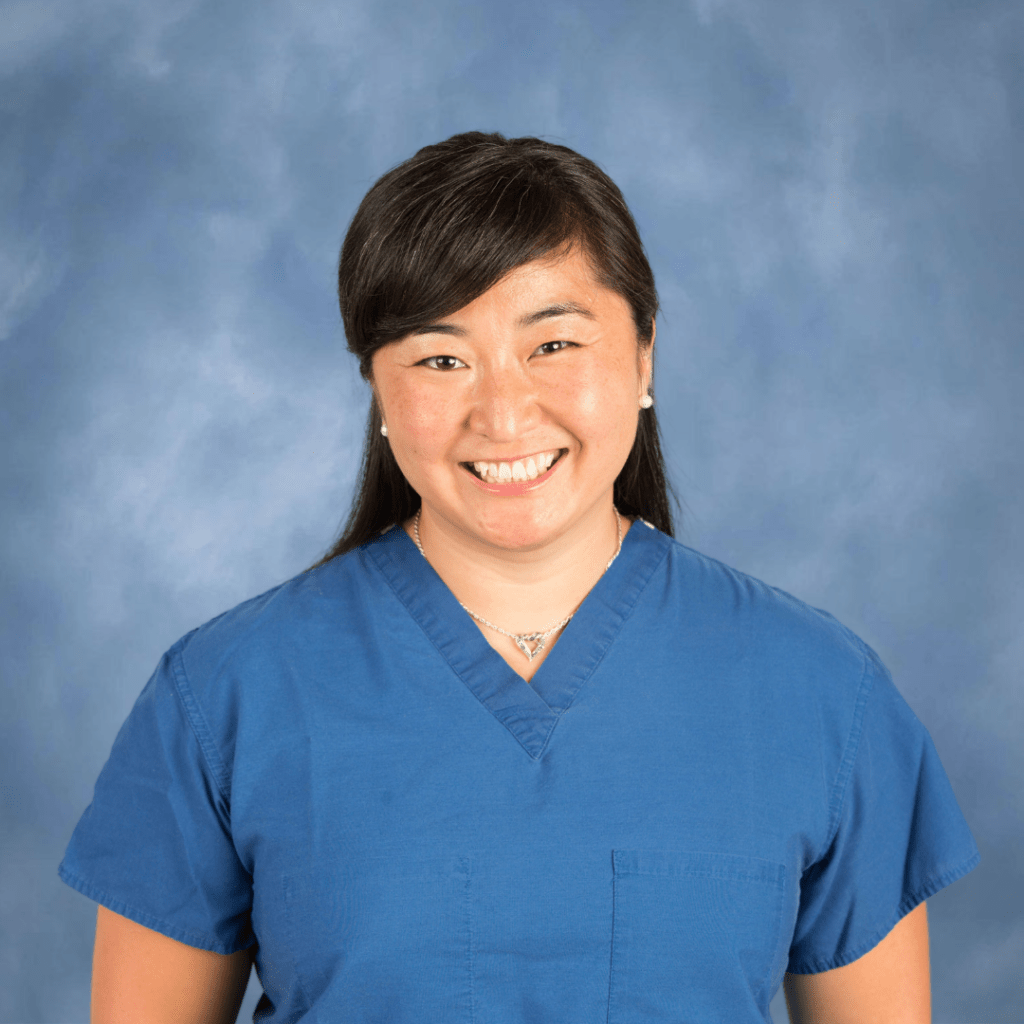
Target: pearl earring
{"x": 384, "y": 429}
{"x": 646, "y": 402}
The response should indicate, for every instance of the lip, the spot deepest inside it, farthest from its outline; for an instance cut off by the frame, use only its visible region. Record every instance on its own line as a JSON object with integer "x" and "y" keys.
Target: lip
{"x": 519, "y": 487}
{"x": 517, "y": 458}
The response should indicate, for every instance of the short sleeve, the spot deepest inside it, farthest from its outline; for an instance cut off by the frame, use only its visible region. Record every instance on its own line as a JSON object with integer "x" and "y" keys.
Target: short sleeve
{"x": 898, "y": 835}
{"x": 155, "y": 844}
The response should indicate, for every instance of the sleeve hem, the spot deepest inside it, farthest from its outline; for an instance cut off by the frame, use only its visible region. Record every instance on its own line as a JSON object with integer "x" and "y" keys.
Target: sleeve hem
{"x": 147, "y": 920}
{"x": 908, "y": 903}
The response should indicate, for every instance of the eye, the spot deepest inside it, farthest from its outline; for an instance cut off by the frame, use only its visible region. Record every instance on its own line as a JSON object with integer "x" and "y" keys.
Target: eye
{"x": 550, "y": 347}
{"x": 442, "y": 363}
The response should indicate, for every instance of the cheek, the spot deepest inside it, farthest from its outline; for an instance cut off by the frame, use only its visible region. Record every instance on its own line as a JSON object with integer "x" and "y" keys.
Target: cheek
{"x": 602, "y": 405}
{"x": 424, "y": 420}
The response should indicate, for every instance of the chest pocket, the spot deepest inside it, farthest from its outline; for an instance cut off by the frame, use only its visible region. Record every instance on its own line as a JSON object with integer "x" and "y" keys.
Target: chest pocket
{"x": 694, "y": 936}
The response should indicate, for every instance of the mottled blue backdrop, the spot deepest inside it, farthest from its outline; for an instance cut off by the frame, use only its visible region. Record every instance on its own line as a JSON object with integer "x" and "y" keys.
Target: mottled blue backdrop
{"x": 830, "y": 194}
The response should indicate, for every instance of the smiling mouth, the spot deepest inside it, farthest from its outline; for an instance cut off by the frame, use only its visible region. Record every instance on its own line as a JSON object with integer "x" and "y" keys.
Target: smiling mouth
{"x": 515, "y": 472}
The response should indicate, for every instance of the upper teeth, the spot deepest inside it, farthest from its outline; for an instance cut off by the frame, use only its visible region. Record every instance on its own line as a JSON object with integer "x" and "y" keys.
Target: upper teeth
{"x": 521, "y": 469}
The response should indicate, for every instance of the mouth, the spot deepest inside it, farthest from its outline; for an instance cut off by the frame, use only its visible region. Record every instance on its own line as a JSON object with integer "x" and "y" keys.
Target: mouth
{"x": 516, "y": 471}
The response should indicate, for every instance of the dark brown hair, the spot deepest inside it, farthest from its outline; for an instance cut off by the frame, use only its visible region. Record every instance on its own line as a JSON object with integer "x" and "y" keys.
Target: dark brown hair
{"x": 435, "y": 233}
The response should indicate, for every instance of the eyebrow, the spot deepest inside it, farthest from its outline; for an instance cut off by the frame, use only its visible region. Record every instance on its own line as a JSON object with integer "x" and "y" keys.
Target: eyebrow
{"x": 527, "y": 320}
{"x": 441, "y": 329}
{"x": 561, "y": 309}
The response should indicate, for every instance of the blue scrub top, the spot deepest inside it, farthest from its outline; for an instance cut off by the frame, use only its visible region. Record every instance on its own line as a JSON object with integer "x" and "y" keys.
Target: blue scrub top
{"x": 707, "y": 783}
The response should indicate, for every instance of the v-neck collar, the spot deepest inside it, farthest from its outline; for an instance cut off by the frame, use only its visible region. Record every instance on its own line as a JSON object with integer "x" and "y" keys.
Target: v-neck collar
{"x": 529, "y": 710}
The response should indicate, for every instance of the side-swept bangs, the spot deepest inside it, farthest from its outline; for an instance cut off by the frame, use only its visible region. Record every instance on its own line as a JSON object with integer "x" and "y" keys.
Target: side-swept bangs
{"x": 436, "y": 232}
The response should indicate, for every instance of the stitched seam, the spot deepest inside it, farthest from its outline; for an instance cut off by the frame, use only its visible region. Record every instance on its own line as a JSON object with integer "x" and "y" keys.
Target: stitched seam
{"x": 906, "y": 905}
{"x": 850, "y": 753}
{"x": 469, "y": 937}
{"x": 110, "y": 901}
{"x": 611, "y": 957}
{"x": 628, "y": 605}
{"x": 455, "y": 671}
{"x": 197, "y": 721}
{"x": 780, "y": 892}
{"x": 408, "y": 611}
{"x": 289, "y": 930}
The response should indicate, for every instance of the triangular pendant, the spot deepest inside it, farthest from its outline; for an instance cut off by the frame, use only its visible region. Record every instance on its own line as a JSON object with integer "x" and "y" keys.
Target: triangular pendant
{"x": 539, "y": 639}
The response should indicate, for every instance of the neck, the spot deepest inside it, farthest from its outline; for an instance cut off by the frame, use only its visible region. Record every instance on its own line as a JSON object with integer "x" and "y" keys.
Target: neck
{"x": 525, "y": 588}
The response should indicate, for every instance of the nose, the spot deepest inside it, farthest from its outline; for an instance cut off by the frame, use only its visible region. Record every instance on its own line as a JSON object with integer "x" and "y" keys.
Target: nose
{"x": 505, "y": 404}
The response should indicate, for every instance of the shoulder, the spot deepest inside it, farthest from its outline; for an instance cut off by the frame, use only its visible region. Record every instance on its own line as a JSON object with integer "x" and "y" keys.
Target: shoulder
{"x": 744, "y": 619}
{"x": 286, "y": 625}
{"x": 239, "y": 677}
{"x": 803, "y": 681}
{"x": 728, "y": 594}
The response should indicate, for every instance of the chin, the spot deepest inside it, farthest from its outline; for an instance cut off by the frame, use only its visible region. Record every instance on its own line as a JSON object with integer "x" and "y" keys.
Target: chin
{"x": 521, "y": 528}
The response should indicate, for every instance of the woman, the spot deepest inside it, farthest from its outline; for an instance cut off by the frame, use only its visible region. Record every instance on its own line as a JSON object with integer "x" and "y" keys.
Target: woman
{"x": 509, "y": 752}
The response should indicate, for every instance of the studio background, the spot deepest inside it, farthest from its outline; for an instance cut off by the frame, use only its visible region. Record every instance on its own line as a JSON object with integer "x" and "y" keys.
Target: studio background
{"x": 830, "y": 197}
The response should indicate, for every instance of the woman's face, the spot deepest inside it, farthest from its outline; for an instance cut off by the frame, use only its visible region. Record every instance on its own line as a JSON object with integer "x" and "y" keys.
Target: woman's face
{"x": 512, "y": 417}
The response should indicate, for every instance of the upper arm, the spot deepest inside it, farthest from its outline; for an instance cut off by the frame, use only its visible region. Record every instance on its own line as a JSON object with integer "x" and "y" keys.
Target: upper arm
{"x": 140, "y": 976}
{"x": 890, "y": 984}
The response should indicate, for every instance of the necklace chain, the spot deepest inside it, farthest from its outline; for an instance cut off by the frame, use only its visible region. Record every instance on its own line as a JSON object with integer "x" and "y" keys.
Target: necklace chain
{"x": 539, "y": 637}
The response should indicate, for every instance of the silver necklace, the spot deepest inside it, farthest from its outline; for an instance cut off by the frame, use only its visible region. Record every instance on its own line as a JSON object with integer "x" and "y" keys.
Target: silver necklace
{"x": 539, "y": 638}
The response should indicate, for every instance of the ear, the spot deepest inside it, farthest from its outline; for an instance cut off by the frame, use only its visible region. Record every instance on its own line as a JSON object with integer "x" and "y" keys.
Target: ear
{"x": 645, "y": 360}
{"x": 375, "y": 402}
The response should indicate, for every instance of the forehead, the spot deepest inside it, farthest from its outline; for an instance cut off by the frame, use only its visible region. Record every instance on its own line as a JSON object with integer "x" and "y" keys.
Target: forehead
{"x": 551, "y": 286}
